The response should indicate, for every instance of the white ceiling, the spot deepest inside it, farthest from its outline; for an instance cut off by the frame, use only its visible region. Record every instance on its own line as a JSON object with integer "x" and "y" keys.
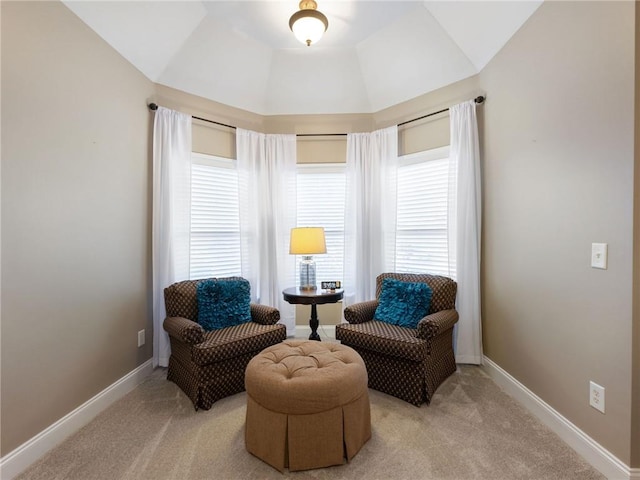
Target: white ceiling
{"x": 375, "y": 54}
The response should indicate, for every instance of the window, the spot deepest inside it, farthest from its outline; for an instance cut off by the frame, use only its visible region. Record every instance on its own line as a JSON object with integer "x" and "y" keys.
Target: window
{"x": 421, "y": 229}
{"x": 321, "y": 203}
{"x": 215, "y": 219}
{"x": 422, "y": 211}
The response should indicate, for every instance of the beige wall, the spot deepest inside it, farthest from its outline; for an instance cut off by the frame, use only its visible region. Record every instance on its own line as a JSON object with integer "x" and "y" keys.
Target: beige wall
{"x": 338, "y": 123}
{"x": 558, "y": 164}
{"x": 330, "y": 149}
{"x": 213, "y": 139}
{"x": 558, "y": 175}
{"x": 208, "y": 137}
{"x": 328, "y": 314}
{"x": 432, "y": 132}
{"x": 75, "y": 217}
{"x": 426, "y": 134}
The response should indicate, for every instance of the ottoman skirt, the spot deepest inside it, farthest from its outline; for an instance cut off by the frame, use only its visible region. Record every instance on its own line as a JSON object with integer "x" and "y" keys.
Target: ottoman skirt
{"x": 307, "y": 405}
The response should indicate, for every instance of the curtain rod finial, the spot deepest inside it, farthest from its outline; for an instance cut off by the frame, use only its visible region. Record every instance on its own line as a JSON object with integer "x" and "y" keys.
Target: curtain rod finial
{"x": 479, "y": 99}
{"x": 153, "y": 106}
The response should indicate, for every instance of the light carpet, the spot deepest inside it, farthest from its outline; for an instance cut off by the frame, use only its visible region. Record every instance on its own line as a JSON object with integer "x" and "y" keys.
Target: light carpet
{"x": 471, "y": 430}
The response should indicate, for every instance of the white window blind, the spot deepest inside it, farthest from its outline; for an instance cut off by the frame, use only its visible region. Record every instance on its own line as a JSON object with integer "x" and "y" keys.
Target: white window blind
{"x": 215, "y": 220}
{"x": 422, "y": 209}
{"x": 321, "y": 203}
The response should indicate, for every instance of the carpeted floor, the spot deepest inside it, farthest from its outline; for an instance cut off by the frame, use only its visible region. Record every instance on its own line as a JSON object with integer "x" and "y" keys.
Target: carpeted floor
{"x": 472, "y": 430}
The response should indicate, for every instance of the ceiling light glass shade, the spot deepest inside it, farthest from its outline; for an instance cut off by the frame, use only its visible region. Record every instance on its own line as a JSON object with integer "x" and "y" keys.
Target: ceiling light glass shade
{"x": 308, "y": 24}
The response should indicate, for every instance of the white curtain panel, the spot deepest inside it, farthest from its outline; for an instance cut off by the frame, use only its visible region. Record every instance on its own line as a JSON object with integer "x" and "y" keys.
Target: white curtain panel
{"x": 267, "y": 189}
{"x": 171, "y": 215}
{"x": 370, "y": 211}
{"x": 465, "y": 229}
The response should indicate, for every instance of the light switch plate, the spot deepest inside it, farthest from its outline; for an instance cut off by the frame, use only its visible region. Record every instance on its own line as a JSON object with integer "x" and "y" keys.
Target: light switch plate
{"x": 599, "y": 255}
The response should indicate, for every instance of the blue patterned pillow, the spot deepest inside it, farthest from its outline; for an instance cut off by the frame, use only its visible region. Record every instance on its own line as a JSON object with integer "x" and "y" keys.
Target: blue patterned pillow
{"x": 223, "y": 303}
{"x": 403, "y": 303}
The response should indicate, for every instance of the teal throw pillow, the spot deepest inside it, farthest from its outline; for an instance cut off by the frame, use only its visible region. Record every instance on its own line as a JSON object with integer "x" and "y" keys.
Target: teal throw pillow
{"x": 403, "y": 303}
{"x": 223, "y": 303}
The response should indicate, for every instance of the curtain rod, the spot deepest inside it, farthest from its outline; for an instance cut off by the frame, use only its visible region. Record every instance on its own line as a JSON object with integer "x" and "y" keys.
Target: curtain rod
{"x": 321, "y": 134}
{"x": 480, "y": 99}
{"x": 154, "y": 107}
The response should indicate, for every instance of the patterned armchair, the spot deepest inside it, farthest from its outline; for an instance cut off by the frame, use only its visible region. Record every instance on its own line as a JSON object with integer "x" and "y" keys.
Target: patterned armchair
{"x": 407, "y": 363}
{"x": 210, "y": 365}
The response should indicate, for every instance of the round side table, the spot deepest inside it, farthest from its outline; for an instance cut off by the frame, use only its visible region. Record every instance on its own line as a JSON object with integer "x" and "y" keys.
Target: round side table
{"x": 294, "y": 295}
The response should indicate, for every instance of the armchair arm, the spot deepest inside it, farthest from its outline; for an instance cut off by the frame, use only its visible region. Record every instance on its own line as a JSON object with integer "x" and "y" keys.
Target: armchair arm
{"x": 361, "y": 312}
{"x": 433, "y": 325}
{"x": 264, "y": 314}
{"x": 183, "y": 329}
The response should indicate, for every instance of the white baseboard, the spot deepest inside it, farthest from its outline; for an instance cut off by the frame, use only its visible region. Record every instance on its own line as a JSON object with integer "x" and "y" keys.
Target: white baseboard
{"x": 594, "y": 453}
{"x": 19, "y": 459}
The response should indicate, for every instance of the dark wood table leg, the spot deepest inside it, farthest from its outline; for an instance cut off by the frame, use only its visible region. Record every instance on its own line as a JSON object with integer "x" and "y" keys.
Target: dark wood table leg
{"x": 313, "y": 323}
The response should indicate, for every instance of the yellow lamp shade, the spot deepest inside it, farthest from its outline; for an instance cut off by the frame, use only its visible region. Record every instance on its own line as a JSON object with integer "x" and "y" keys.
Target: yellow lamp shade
{"x": 307, "y": 241}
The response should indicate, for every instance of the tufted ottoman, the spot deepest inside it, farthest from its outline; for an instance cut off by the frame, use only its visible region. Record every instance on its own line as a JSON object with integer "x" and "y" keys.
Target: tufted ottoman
{"x": 307, "y": 405}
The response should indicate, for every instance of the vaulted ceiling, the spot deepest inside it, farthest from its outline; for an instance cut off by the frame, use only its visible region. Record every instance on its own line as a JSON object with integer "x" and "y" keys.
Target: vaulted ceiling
{"x": 375, "y": 54}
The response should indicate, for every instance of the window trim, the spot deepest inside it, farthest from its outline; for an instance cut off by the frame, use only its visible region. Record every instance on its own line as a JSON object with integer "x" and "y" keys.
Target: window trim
{"x": 213, "y": 160}
{"x": 425, "y": 156}
{"x": 311, "y": 168}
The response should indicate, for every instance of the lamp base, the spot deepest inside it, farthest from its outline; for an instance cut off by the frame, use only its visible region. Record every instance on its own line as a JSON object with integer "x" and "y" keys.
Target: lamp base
{"x": 308, "y": 273}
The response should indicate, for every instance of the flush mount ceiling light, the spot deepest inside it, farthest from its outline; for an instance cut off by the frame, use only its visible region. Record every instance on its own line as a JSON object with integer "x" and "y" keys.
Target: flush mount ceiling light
{"x": 308, "y": 24}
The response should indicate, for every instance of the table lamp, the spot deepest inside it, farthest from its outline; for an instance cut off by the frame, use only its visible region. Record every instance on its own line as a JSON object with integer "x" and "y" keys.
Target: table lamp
{"x": 307, "y": 241}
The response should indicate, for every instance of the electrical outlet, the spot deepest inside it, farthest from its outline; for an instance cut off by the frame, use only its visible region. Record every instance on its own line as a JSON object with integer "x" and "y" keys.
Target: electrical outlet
{"x": 141, "y": 338}
{"x": 596, "y": 396}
